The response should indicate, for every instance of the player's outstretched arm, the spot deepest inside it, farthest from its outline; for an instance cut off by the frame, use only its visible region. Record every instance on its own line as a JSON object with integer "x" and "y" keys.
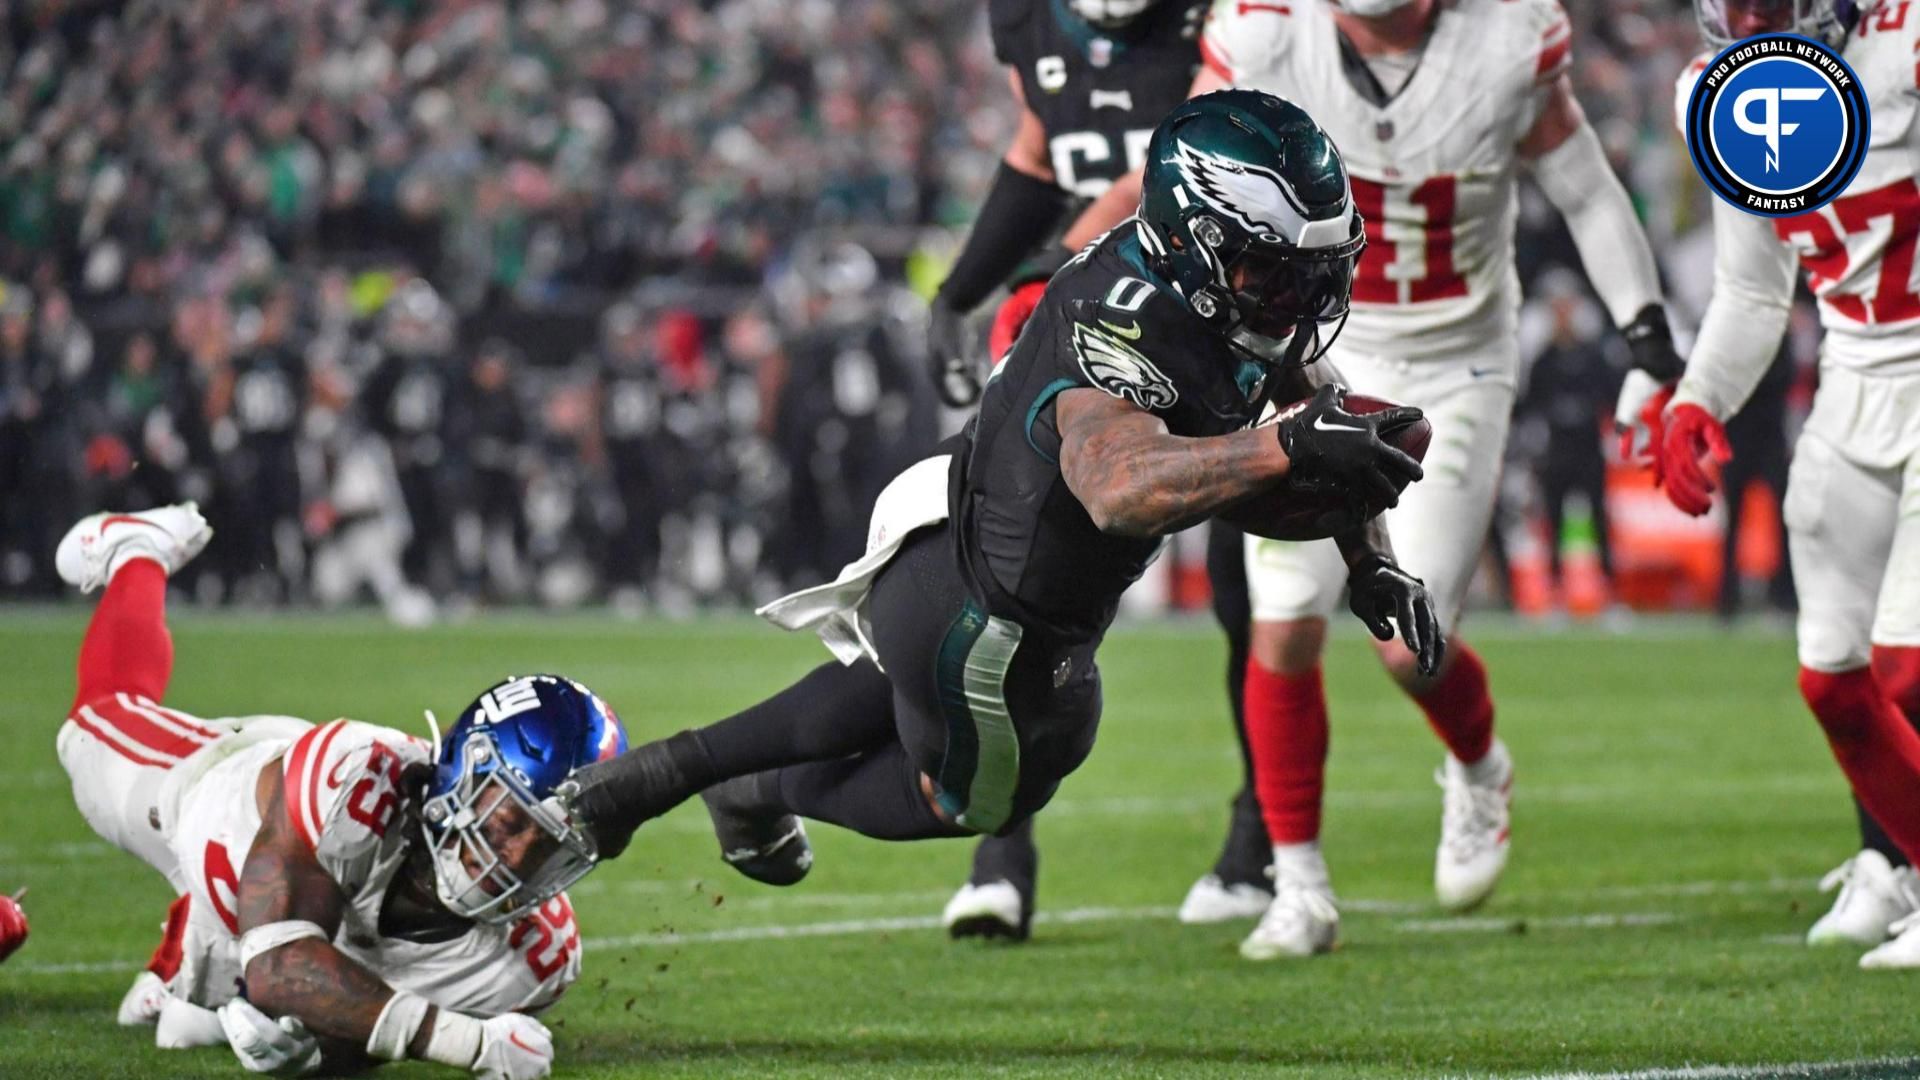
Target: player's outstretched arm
{"x": 1137, "y": 479}
{"x": 290, "y": 908}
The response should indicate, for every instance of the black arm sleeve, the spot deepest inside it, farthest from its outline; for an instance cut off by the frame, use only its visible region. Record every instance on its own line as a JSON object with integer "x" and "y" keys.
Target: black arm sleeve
{"x": 1020, "y": 211}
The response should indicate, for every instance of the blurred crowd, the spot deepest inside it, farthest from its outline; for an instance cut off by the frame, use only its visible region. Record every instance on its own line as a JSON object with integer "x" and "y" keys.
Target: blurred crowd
{"x": 451, "y": 301}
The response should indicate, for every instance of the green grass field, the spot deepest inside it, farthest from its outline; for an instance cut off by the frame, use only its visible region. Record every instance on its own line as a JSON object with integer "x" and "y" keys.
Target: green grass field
{"x": 1674, "y": 807}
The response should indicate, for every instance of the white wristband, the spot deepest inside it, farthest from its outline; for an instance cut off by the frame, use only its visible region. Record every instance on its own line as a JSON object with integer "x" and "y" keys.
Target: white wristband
{"x": 455, "y": 1040}
{"x": 267, "y": 938}
{"x": 398, "y": 1024}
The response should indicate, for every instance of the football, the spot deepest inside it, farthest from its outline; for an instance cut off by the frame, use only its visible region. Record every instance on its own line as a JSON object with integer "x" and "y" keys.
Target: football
{"x": 1291, "y": 512}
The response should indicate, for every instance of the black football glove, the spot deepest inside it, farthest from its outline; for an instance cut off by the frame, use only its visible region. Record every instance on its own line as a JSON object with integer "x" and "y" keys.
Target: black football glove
{"x": 953, "y": 371}
{"x": 1332, "y": 449}
{"x": 1650, "y": 344}
{"x": 1382, "y": 594}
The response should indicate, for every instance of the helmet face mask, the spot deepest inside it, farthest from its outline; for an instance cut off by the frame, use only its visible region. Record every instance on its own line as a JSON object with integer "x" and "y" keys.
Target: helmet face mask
{"x": 479, "y": 815}
{"x": 1109, "y": 14}
{"x": 499, "y": 839}
{"x": 1723, "y": 22}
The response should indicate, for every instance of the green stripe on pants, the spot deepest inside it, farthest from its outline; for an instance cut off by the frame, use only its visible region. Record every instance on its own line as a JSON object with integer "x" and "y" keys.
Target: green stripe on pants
{"x": 981, "y": 767}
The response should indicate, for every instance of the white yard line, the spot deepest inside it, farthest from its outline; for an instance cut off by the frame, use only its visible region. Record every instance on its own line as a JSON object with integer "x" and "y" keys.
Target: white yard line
{"x": 849, "y": 927}
{"x": 1488, "y": 924}
{"x": 1398, "y": 910}
{"x": 1810, "y": 1070}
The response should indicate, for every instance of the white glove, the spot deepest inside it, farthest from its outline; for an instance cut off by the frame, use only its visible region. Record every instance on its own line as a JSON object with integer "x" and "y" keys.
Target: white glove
{"x": 280, "y": 1047}
{"x": 514, "y": 1047}
{"x": 1638, "y": 389}
{"x": 184, "y": 1026}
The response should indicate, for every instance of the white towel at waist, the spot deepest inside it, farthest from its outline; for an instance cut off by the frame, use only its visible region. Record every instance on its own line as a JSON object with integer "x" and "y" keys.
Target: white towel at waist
{"x": 837, "y": 610}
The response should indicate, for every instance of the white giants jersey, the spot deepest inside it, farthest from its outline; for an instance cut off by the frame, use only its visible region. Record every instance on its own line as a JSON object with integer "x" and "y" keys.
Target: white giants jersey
{"x": 1858, "y": 250}
{"x": 1432, "y": 165}
{"x": 344, "y": 795}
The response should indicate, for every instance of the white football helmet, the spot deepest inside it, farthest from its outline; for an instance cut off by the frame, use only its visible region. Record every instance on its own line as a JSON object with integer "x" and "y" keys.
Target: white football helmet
{"x": 1109, "y": 14}
{"x": 1723, "y": 22}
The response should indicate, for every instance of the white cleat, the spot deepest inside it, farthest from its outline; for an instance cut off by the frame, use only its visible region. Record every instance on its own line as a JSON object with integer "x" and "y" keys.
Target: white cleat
{"x": 1301, "y": 921}
{"x": 101, "y": 543}
{"x": 1212, "y": 900}
{"x": 1874, "y": 895}
{"x": 1902, "y": 952}
{"x": 143, "y": 1001}
{"x": 993, "y": 910}
{"x": 1474, "y": 825}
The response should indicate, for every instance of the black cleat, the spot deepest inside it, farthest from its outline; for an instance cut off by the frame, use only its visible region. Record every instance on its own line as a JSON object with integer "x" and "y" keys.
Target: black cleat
{"x": 611, "y": 799}
{"x": 768, "y": 845}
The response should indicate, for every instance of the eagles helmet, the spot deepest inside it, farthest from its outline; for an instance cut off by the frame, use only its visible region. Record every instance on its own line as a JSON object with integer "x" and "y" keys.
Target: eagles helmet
{"x": 514, "y": 746}
{"x": 1245, "y": 208}
{"x": 1723, "y": 22}
{"x": 1109, "y": 14}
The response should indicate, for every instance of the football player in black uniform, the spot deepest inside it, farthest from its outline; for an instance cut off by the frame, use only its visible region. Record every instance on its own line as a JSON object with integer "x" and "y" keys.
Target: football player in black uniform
{"x": 1093, "y": 77}
{"x": 1125, "y": 412}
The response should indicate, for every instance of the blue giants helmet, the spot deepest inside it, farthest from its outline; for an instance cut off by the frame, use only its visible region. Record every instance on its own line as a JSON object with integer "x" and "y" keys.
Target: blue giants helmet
{"x": 514, "y": 746}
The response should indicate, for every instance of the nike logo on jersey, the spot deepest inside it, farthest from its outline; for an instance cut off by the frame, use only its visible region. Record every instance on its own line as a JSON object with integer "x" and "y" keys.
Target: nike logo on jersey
{"x": 1131, "y": 333}
{"x": 1111, "y": 99}
{"x": 1483, "y": 372}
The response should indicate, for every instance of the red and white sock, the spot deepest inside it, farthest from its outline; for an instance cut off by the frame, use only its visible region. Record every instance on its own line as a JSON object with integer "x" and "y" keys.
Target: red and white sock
{"x": 1460, "y": 709}
{"x": 1875, "y": 746}
{"x": 128, "y": 648}
{"x": 1287, "y": 735}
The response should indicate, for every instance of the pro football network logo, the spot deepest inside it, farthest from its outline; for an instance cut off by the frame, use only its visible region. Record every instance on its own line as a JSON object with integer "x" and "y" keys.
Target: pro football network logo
{"x": 1778, "y": 125}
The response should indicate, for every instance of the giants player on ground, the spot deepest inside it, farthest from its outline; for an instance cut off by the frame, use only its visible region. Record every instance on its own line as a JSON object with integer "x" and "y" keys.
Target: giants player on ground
{"x": 1092, "y": 78}
{"x": 1852, "y": 505}
{"x": 1435, "y": 103}
{"x": 382, "y": 899}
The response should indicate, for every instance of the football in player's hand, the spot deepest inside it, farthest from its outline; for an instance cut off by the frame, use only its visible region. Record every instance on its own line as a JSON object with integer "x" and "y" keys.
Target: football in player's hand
{"x": 1293, "y": 512}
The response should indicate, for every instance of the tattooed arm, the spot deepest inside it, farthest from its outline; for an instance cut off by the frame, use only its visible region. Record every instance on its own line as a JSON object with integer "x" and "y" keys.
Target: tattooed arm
{"x": 336, "y": 997}
{"x": 1137, "y": 479}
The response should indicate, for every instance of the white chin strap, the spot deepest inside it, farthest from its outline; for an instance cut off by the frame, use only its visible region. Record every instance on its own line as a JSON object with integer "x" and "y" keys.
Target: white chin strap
{"x": 1372, "y": 9}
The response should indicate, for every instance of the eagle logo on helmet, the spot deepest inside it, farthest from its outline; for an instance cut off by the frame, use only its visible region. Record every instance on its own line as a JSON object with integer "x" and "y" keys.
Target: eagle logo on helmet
{"x": 1256, "y": 198}
{"x": 1121, "y": 370}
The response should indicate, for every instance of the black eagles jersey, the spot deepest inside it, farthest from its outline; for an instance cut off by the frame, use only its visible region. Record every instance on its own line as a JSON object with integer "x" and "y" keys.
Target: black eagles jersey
{"x": 1098, "y": 94}
{"x": 1109, "y": 323}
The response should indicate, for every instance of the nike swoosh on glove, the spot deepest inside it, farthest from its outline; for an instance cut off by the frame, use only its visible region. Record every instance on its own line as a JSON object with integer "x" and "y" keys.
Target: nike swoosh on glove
{"x": 1330, "y": 448}
{"x": 514, "y": 1047}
